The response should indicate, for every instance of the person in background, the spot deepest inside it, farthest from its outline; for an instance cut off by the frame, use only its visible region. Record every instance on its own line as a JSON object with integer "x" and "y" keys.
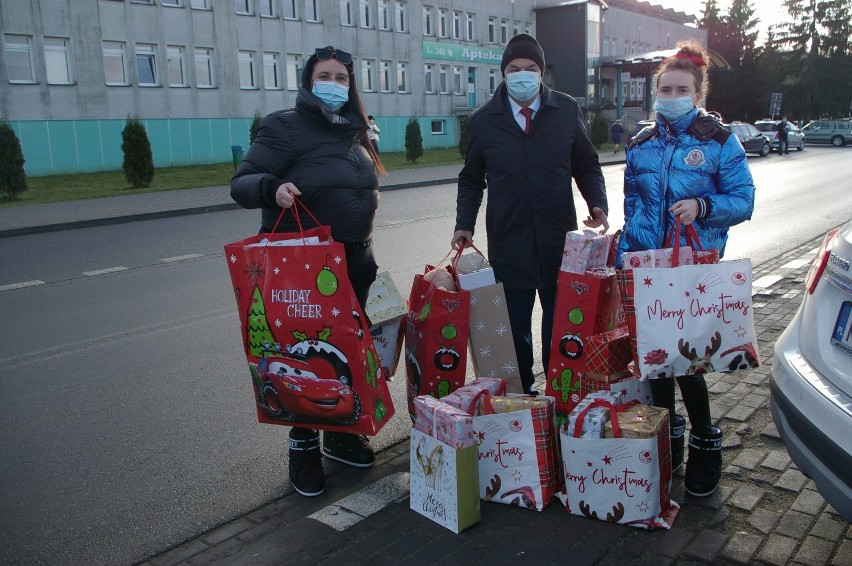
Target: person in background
{"x": 373, "y": 132}
{"x": 686, "y": 165}
{"x": 616, "y": 131}
{"x": 526, "y": 145}
{"x": 319, "y": 152}
{"x": 783, "y": 141}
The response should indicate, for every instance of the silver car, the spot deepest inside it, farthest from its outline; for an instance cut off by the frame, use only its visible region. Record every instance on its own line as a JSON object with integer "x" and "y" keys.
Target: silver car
{"x": 835, "y": 132}
{"x": 811, "y": 381}
{"x": 769, "y": 128}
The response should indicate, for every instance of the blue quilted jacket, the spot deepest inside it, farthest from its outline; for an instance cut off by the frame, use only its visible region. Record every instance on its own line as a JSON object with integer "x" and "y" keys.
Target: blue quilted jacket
{"x": 688, "y": 158}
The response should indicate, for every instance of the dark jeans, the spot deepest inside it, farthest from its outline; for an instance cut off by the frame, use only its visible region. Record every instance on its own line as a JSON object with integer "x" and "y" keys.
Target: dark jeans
{"x": 783, "y": 145}
{"x": 519, "y": 303}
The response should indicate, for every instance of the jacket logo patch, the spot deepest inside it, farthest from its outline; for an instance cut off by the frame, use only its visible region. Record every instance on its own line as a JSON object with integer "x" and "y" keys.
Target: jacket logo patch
{"x": 695, "y": 158}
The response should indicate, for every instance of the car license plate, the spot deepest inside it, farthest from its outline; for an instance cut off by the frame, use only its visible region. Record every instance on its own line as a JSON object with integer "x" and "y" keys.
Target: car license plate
{"x": 842, "y": 335}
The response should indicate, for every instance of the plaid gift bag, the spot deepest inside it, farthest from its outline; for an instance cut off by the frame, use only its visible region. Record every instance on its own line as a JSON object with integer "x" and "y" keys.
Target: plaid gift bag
{"x": 609, "y": 352}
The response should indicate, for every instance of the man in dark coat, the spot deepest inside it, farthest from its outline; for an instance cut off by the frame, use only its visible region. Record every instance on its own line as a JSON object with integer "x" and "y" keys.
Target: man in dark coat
{"x": 529, "y": 142}
{"x": 783, "y": 143}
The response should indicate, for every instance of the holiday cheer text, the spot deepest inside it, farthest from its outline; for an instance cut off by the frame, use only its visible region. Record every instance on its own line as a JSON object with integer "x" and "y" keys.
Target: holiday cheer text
{"x": 298, "y": 302}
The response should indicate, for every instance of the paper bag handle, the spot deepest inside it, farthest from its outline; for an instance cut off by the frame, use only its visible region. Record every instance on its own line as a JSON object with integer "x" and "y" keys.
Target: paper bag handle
{"x": 613, "y": 415}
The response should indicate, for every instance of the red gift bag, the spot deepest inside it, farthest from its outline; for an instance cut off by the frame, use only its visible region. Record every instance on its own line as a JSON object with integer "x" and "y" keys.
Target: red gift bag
{"x": 436, "y": 335}
{"x": 586, "y": 304}
{"x": 312, "y": 359}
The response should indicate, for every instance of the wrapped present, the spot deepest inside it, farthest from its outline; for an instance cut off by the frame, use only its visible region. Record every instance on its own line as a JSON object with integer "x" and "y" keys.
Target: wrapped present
{"x": 629, "y": 388}
{"x": 639, "y": 421}
{"x": 656, "y": 258}
{"x": 474, "y": 271}
{"x": 465, "y": 397}
{"x": 585, "y": 249}
{"x": 444, "y": 422}
{"x": 608, "y": 353}
{"x": 386, "y": 310}
{"x": 512, "y": 403}
{"x": 605, "y": 378}
{"x": 595, "y": 419}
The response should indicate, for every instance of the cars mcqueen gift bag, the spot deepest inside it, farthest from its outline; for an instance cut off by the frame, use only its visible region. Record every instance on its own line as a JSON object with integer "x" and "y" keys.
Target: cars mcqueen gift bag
{"x": 312, "y": 359}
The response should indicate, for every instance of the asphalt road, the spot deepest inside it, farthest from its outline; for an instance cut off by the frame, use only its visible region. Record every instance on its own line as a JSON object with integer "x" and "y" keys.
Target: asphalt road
{"x": 125, "y": 409}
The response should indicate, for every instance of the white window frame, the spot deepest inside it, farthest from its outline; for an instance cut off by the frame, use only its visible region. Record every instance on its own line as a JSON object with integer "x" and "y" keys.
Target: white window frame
{"x": 401, "y": 16}
{"x": 368, "y": 75}
{"x": 527, "y": 28}
{"x": 22, "y": 48}
{"x": 204, "y": 59}
{"x": 244, "y": 7}
{"x": 457, "y": 79}
{"x": 428, "y": 23}
{"x": 516, "y": 27}
{"x": 346, "y": 18}
{"x": 383, "y": 12}
{"x": 429, "y": 78}
{"x": 402, "y": 77}
{"x": 457, "y": 34}
{"x": 290, "y": 10}
{"x": 272, "y": 64}
{"x": 470, "y": 26}
{"x": 247, "y": 61}
{"x": 171, "y": 3}
{"x": 147, "y": 52}
{"x": 176, "y": 53}
{"x": 443, "y": 79}
{"x": 443, "y": 25}
{"x": 58, "y": 55}
{"x": 492, "y": 29}
{"x": 504, "y": 32}
{"x": 112, "y": 50}
{"x": 441, "y": 129}
{"x": 199, "y": 4}
{"x": 385, "y": 77}
{"x": 294, "y": 70}
{"x": 364, "y": 14}
{"x": 266, "y": 8}
{"x": 312, "y": 11}
{"x": 493, "y": 81}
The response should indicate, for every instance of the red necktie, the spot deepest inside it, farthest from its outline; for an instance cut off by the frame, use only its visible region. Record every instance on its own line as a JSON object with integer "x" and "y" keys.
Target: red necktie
{"x": 527, "y": 112}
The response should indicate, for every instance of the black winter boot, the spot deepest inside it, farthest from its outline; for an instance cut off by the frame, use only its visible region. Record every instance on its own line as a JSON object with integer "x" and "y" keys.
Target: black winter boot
{"x": 305, "y": 462}
{"x": 704, "y": 467}
{"x": 351, "y": 449}
{"x": 677, "y": 428}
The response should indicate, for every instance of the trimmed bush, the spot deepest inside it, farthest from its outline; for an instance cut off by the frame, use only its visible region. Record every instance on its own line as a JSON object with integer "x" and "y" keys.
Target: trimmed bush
{"x": 463, "y": 122}
{"x": 13, "y": 178}
{"x": 255, "y": 126}
{"x": 413, "y": 140}
{"x": 600, "y": 131}
{"x": 138, "y": 161}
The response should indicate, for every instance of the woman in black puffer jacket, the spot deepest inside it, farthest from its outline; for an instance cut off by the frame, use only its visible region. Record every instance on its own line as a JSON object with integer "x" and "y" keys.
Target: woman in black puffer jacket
{"x": 319, "y": 151}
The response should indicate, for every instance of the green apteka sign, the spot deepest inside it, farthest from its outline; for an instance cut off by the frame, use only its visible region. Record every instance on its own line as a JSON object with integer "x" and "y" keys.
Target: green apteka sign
{"x": 464, "y": 53}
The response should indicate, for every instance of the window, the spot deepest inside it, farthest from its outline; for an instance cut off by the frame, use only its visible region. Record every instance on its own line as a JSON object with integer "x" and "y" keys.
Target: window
{"x": 493, "y": 81}
{"x": 267, "y": 8}
{"x": 439, "y": 127}
{"x": 456, "y": 25}
{"x": 200, "y": 4}
{"x": 471, "y": 32}
{"x": 172, "y": 3}
{"x": 57, "y": 61}
{"x": 504, "y": 31}
{"x": 443, "y": 30}
{"x": 384, "y": 15}
{"x": 146, "y": 64}
{"x": 271, "y": 71}
{"x": 115, "y": 63}
{"x": 346, "y": 12}
{"x": 142, "y": 1}
{"x": 492, "y": 30}
{"x": 368, "y": 80}
{"x": 248, "y": 72}
{"x": 516, "y": 29}
{"x": 19, "y": 58}
{"x": 291, "y": 10}
{"x": 204, "y": 68}
{"x": 427, "y": 21}
{"x": 176, "y": 65}
{"x": 527, "y": 28}
{"x": 243, "y": 7}
{"x": 294, "y": 67}
{"x": 401, "y": 17}
{"x": 366, "y": 16}
{"x": 428, "y": 70}
{"x": 402, "y": 77}
{"x": 443, "y": 71}
{"x": 312, "y": 13}
{"x": 457, "y": 73}
{"x": 385, "y": 84}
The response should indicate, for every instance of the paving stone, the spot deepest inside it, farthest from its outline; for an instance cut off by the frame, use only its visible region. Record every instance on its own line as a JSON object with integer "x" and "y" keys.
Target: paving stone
{"x": 721, "y": 517}
{"x": 673, "y": 542}
{"x": 720, "y": 387}
{"x": 828, "y": 527}
{"x": 731, "y": 441}
{"x": 763, "y": 520}
{"x": 763, "y": 477}
{"x": 844, "y": 554}
{"x": 742, "y": 547}
{"x": 740, "y": 413}
{"x": 777, "y": 460}
{"x": 777, "y": 550}
{"x": 706, "y": 546}
{"x": 794, "y": 524}
{"x": 809, "y": 502}
{"x": 791, "y": 480}
{"x": 749, "y": 458}
{"x": 814, "y": 551}
{"x": 771, "y": 431}
{"x": 746, "y": 498}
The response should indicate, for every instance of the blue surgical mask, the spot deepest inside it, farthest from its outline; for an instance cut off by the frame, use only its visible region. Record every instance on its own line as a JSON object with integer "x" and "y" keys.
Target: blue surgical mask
{"x": 333, "y": 94}
{"x": 673, "y": 108}
{"x": 522, "y": 85}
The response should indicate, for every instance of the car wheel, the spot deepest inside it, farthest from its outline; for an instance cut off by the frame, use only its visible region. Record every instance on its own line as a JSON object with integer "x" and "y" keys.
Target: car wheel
{"x": 273, "y": 404}
{"x": 801, "y": 145}
{"x": 764, "y": 151}
{"x": 837, "y": 141}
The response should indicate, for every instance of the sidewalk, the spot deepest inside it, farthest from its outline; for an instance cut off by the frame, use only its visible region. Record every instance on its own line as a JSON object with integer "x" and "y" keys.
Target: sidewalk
{"x": 19, "y": 220}
{"x": 765, "y": 511}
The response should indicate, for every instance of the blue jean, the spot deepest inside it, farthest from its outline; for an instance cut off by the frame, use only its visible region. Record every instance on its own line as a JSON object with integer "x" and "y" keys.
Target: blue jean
{"x": 519, "y": 303}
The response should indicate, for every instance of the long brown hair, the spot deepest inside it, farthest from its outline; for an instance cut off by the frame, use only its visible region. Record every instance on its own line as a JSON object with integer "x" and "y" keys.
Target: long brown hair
{"x": 692, "y": 58}
{"x": 354, "y": 102}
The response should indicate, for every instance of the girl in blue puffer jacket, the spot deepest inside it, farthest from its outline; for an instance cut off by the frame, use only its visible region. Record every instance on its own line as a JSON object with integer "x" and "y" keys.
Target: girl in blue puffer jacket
{"x": 686, "y": 165}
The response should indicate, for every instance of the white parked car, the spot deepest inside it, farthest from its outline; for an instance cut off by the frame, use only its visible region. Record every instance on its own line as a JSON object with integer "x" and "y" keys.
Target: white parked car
{"x": 811, "y": 381}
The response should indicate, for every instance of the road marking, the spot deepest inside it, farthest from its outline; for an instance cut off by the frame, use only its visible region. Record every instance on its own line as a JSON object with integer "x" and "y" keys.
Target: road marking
{"x": 766, "y": 281}
{"x": 21, "y": 285}
{"x": 104, "y": 271}
{"x": 356, "y": 507}
{"x": 797, "y": 263}
{"x": 180, "y": 257}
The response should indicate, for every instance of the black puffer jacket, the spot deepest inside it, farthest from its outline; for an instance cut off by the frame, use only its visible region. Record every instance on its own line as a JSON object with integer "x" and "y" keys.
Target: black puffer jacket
{"x": 530, "y": 201}
{"x": 322, "y": 154}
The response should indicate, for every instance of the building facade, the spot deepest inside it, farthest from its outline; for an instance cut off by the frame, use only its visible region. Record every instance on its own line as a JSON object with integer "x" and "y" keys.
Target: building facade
{"x": 197, "y": 71}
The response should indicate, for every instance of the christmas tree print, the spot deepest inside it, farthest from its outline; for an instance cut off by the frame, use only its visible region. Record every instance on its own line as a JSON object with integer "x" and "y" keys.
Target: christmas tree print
{"x": 258, "y": 331}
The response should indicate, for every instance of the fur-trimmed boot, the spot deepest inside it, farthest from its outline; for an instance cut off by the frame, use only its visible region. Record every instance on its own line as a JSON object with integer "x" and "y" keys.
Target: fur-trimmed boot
{"x": 704, "y": 467}
{"x": 305, "y": 462}
{"x": 677, "y": 429}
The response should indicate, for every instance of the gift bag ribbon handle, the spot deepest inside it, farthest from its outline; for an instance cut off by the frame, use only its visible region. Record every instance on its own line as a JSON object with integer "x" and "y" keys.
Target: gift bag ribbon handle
{"x": 294, "y": 209}
{"x": 613, "y": 415}
{"x": 673, "y": 239}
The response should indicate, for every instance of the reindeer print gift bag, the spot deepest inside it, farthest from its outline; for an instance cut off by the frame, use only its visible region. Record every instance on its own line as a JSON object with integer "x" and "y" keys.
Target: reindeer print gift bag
{"x": 694, "y": 319}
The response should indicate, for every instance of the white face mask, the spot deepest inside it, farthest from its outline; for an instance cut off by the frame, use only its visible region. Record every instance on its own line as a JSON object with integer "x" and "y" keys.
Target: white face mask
{"x": 522, "y": 85}
{"x": 673, "y": 108}
{"x": 333, "y": 94}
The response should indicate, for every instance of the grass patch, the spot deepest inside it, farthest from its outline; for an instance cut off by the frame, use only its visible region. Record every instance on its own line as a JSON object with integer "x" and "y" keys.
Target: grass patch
{"x": 61, "y": 188}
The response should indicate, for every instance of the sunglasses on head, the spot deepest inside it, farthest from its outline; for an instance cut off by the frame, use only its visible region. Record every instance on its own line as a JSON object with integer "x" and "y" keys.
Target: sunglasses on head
{"x": 325, "y": 54}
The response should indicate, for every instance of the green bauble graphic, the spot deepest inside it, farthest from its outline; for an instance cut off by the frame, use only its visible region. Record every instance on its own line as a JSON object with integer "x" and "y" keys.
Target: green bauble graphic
{"x": 326, "y": 282}
{"x": 575, "y": 316}
{"x": 449, "y": 332}
{"x": 380, "y": 411}
{"x": 424, "y": 312}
